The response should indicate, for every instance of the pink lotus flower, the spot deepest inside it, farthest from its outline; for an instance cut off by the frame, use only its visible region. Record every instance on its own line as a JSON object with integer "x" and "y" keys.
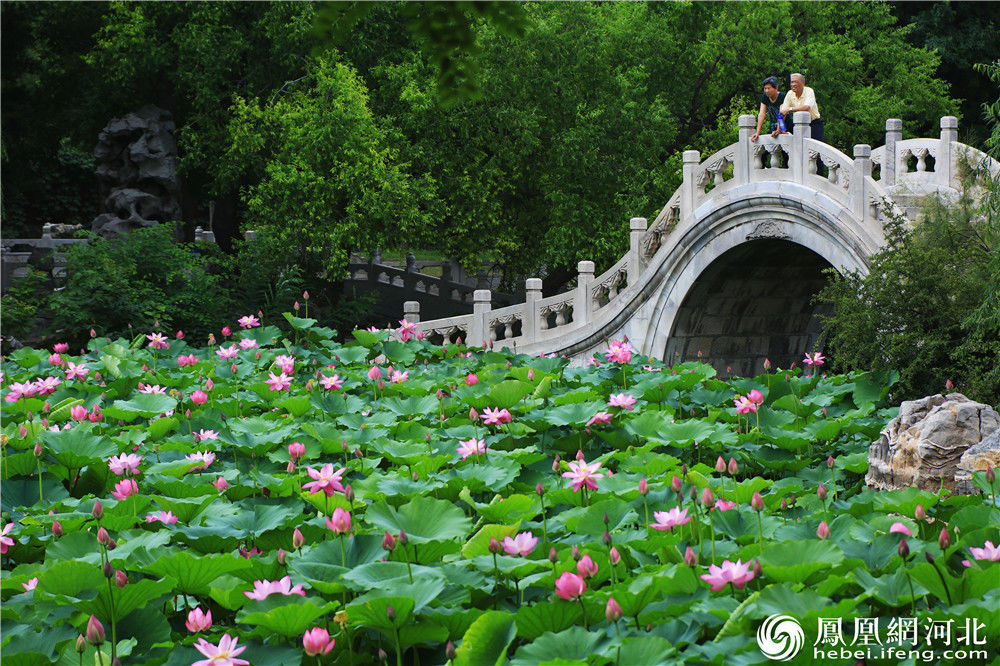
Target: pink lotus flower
{"x": 397, "y": 377}
{"x": 249, "y": 321}
{"x": 619, "y": 351}
{"x": 738, "y": 574}
{"x": 988, "y": 552}
{"x": 222, "y": 655}
{"x": 723, "y": 505}
{"x": 570, "y": 586}
{"x": 190, "y": 359}
{"x": 55, "y": 359}
{"x": 60, "y": 347}
{"x": 326, "y": 480}
{"x": 221, "y": 484}
{"x": 755, "y": 396}
{"x": 340, "y": 523}
{"x": 522, "y": 544}
{"x": 203, "y": 435}
{"x": 296, "y": 450}
{"x": 165, "y": 517}
{"x": 744, "y": 405}
{"x": 600, "y": 417}
{"x": 152, "y": 388}
{"x": 96, "y": 414}
{"x": 901, "y": 528}
{"x": 74, "y": 371}
{"x": 198, "y": 620}
{"x": 668, "y": 520}
{"x": 471, "y": 379}
{"x": 248, "y": 343}
{"x": 406, "y": 329}
{"x": 583, "y": 474}
{"x": 495, "y": 416}
{"x": 814, "y": 359}
{"x": 206, "y": 458}
{"x": 31, "y": 584}
{"x": 334, "y": 383}
{"x": 317, "y": 641}
{"x": 622, "y": 400}
{"x": 157, "y": 341}
{"x": 78, "y": 413}
{"x": 592, "y": 362}
{"x": 472, "y": 447}
{"x": 125, "y": 489}
{"x": 262, "y": 589}
{"x": 586, "y": 567}
{"x": 226, "y": 353}
{"x": 286, "y": 363}
{"x": 126, "y": 462}
{"x": 281, "y": 382}
{"x": 5, "y": 541}
{"x": 47, "y": 385}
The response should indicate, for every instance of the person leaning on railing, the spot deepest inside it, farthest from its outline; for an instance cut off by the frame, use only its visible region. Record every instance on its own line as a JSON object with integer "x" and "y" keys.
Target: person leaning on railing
{"x": 803, "y": 98}
{"x": 770, "y": 107}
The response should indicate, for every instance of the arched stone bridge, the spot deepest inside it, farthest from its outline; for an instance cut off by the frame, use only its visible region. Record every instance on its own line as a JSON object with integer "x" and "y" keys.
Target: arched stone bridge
{"x": 729, "y": 266}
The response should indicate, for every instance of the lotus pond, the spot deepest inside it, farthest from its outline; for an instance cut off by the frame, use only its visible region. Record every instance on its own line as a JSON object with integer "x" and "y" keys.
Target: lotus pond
{"x": 281, "y": 498}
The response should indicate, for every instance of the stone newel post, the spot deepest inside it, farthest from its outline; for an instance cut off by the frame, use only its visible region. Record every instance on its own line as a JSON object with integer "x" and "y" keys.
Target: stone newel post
{"x": 893, "y": 135}
{"x": 944, "y": 166}
{"x": 582, "y": 303}
{"x": 799, "y": 159}
{"x": 636, "y": 230}
{"x": 411, "y": 311}
{"x": 691, "y": 160}
{"x": 529, "y": 325}
{"x": 741, "y": 168}
{"x": 859, "y": 187}
{"x": 481, "y": 306}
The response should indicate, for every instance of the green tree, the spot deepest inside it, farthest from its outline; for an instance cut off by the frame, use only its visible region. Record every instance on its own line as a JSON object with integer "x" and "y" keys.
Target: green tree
{"x": 328, "y": 178}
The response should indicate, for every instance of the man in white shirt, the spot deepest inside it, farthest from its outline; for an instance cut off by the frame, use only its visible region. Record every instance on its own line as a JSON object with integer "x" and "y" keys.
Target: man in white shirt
{"x": 803, "y": 98}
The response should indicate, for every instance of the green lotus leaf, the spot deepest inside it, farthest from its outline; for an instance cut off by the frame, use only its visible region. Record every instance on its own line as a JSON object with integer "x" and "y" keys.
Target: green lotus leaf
{"x": 423, "y": 519}
{"x": 486, "y": 641}
{"x": 291, "y": 619}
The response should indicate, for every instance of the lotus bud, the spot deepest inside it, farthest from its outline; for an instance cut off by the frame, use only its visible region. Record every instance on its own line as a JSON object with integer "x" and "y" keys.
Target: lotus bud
{"x": 349, "y": 493}
{"x": 232, "y": 368}
{"x": 919, "y": 513}
{"x": 693, "y": 494}
{"x": 297, "y": 539}
{"x": 282, "y": 556}
{"x": 734, "y": 467}
{"x": 675, "y": 484}
{"x": 403, "y": 539}
{"x": 295, "y": 306}
{"x": 767, "y": 364}
{"x": 579, "y": 455}
{"x": 439, "y": 394}
{"x": 613, "y": 612}
{"x": 494, "y": 545}
{"x": 690, "y": 558}
{"x": 928, "y": 557}
{"x": 606, "y": 539}
{"x": 187, "y": 413}
{"x": 107, "y": 570}
{"x": 784, "y": 504}
{"x": 121, "y": 579}
{"x": 291, "y": 467}
{"x": 943, "y": 539}
{"x": 38, "y": 450}
{"x": 707, "y": 498}
{"x": 388, "y": 542}
{"x": 473, "y": 414}
{"x": 257, "y": 355}
{"x": 555, "y": 464}
{"x": 22, "y": 431}
{"x": 824, "y": 530}
{"x": 539, "y": 489}
{"x": 81, "y": 644}
{"x": 990, "y": 475}
{"x": 606, "y": 519}
{"x": 575, "y": 552}
{"x": 821, "y": 492}
{"x": 720, "y": 465}
{"x": 904, "y": 548}
{"x": 57, "y": 529}
{"x": 948, "y": 385}
{"x": 531, "y": 374}
{"x": 102, "y": 537}
{"x": 615, "y": 556}
{"x": 829, "y": 462}
{"x": 757, "y": 569}
{"x": 413, "y": 476}
{"x": 757, "y": 502}
{"x": 449, "y": 651}
{"x": 553, "y": 555}
{"x": 45, "y": 421}
{"x": 382, "y": 656}
{"x": 95, "y": 631}
{"x": 46, "y": 407}
{"x": 390, "y": 613}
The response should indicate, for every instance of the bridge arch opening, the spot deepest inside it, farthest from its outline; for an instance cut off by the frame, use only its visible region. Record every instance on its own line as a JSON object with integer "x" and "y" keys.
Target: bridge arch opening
{"x": 752, "y": 302}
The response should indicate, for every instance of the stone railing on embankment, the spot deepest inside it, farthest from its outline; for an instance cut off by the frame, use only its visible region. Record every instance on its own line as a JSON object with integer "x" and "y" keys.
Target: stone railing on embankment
{"x": 761, "y": 172}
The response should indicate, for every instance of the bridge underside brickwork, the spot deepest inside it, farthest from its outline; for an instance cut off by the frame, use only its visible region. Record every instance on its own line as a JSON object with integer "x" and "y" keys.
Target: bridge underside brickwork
{"x": 753, "y": 302}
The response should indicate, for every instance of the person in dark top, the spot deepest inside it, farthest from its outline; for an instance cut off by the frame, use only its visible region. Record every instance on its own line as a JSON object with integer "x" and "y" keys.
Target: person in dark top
{"x": 770, "y": 107}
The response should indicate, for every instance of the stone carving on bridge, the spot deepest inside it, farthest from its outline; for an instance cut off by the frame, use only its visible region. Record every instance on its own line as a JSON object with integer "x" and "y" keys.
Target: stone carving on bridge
{"x": 767, "y": 230}
{"x": 137, "y": 167}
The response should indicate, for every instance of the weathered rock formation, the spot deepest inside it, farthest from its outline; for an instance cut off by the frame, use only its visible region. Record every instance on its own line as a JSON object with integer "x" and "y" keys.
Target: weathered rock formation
{"x": 137, "y": 167}
{"x": 977, "y": 458}
{"x": 923, "y": 445}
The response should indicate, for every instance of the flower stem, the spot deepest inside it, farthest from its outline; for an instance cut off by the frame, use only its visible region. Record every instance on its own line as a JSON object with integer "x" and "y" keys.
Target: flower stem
{"x": 583, "y": 608}
{"x": 343, "y": 554}
{"x": 760, "y": 533}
